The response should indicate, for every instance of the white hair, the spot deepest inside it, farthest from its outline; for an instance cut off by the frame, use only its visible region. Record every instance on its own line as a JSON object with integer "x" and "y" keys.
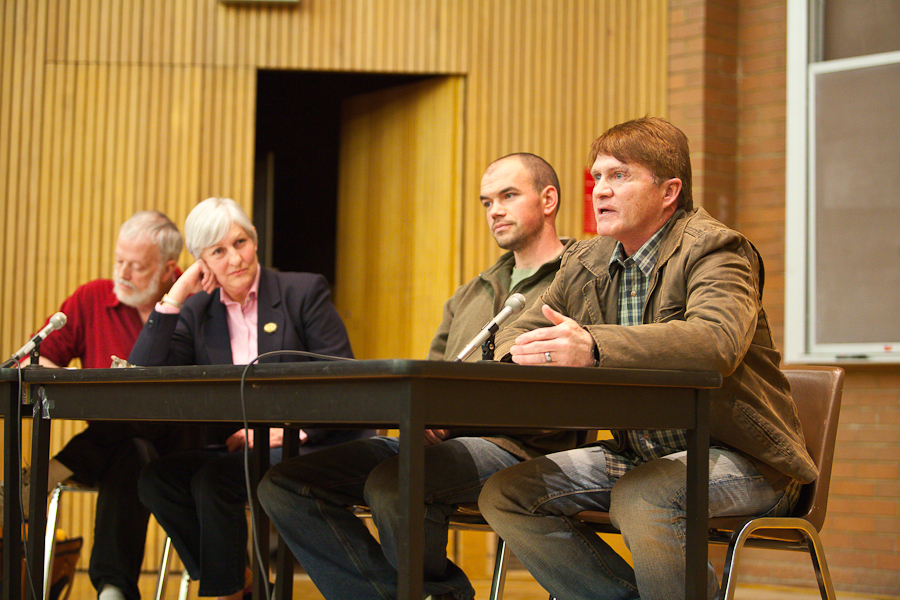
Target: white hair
{"x": 211, "y": 220}
{"x": 158, "y": 228}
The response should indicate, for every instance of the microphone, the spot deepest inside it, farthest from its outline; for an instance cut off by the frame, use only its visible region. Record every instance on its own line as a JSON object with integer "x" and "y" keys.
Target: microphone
{"x": 513, "y": 306}
{"x": 56, "y": 322}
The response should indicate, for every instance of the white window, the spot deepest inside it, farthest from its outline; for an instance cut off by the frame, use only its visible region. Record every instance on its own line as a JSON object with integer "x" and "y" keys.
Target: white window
{"x": 842, "y": 267}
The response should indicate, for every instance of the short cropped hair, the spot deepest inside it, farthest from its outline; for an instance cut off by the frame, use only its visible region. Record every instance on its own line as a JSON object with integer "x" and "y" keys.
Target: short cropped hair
{"x": 158, "y": 228}
{"x": 654, "y": 143}
{"x": 210, "y": 220}
{"x": 542, "y": 173}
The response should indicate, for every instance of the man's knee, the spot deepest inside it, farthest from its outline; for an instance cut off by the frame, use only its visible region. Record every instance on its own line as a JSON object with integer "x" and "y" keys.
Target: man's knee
{"x": 505, "y": 491}
{"x": 656, "y": 487}
{"x": 381, "y": 487}
{"x": 147, "y": 484}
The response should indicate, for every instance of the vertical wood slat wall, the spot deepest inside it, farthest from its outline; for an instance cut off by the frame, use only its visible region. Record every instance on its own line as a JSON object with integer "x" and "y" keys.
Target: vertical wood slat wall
{"x": 112, "y": 106}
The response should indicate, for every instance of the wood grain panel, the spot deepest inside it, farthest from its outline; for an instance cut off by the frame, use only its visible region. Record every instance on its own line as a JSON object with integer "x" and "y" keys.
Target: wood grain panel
{"x": 112, "y": 106}
{"x": 397, "y": 215}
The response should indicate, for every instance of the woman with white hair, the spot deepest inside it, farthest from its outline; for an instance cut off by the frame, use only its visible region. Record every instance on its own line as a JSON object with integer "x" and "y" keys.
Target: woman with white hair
{"x": 227, "y": 309}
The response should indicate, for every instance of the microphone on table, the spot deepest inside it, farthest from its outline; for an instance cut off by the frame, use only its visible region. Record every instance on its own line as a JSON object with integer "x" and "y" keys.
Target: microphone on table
{"x": 56, "y": 322}
{"x": 513, "y": 306}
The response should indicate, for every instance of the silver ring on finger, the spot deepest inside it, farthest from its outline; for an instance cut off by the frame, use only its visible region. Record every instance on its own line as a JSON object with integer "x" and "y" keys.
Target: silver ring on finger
{"x": 548, "y": 357}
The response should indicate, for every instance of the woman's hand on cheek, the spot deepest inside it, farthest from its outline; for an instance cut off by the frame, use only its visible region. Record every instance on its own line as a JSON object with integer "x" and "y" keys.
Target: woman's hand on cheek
{"x": 196, "y": 277}
{"x": 208, "y": 281}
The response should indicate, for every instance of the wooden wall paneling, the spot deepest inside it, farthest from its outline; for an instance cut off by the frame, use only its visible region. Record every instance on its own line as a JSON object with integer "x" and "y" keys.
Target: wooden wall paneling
{"x": 213, "y": 131}
{"x": 127, "y": 49}
{"x": 110, "y": 106}
{"x": 190, "y": 147}
{"x": 178, "y": 127}
{"x": 48, "y": 210}
{"x": 106, "y": 28}
{"x": 352, "y": 224}
{"x": 111, "y": 214}
{"x": 122, "y": 138}
{"x": 135, "y": 145}
{"x": 144, "y": 137}
{"x": 435, "y": 194}
{"x": 245, "y": 115}
{"x": 10, "y": 208}
{"x": 31, "y": 47}
{"x": 227, "y": 95}
{"x": 92, "y": 155}
{"x": 15, "y": 174}
{"x": 49, "y": 187}
{"x": 396, "y": 226}
{"x": 150, "y": 110}
{"x": 164, "y": 163}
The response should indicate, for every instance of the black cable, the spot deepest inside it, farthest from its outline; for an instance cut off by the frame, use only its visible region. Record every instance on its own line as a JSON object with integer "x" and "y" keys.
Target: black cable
{"x": 246, "y": 449}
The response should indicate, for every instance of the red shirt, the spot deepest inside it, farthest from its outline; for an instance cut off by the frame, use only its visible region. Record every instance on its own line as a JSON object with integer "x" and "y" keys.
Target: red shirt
{"x": 97, "y": 326}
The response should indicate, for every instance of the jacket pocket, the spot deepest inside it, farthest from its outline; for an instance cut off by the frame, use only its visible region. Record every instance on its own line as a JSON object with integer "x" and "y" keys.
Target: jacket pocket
{"x": 670, "y": 313}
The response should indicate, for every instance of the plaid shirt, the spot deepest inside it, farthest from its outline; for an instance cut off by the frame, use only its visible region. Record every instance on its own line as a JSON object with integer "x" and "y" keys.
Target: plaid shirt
{"x": 639, "y": 446}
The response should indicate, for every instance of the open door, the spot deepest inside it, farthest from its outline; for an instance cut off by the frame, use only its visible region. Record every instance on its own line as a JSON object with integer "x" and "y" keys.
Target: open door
{"x": 399, "y": 195}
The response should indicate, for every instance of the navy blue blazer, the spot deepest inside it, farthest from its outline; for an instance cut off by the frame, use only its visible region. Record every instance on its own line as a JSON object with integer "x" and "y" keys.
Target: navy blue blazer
{"x": 298, "y": 304}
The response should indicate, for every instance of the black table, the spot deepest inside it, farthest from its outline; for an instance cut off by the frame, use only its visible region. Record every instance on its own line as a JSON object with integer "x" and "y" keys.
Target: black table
{"x": 405, "y": 394}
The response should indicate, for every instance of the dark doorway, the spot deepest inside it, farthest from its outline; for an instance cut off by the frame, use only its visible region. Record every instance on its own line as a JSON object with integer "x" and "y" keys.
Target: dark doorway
{"x": 298, "y": 124}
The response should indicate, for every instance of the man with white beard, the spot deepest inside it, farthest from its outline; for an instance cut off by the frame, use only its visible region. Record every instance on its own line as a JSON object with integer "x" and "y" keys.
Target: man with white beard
{"x": 104, "y": 318}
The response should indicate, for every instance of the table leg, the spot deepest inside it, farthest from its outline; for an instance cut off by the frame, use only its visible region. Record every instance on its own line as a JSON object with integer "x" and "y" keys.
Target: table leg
{"x": 697, "y": 517}
{"x": 12, "y": 473}
{"x": 284, "y": 562}
{"x": 259, "y": 464}
{"x": 37, "y": 518}
{"x": 410, "y": 563}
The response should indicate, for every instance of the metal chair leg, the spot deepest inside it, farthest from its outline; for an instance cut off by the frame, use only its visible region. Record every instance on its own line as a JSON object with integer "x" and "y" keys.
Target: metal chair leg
{"x": 185, "y": 585}
{"x": 814, "y": 543}
{"x": 500, "y": 562}
{"x": 163, "y": 577}
{"x": 50, "y": 538}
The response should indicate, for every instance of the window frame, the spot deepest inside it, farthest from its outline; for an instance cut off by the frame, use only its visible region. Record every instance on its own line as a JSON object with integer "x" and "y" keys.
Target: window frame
{"x": 803, "y": 65}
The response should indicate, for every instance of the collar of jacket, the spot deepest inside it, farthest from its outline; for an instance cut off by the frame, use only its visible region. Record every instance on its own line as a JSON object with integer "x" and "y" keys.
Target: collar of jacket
{"x": 507, "y": 261}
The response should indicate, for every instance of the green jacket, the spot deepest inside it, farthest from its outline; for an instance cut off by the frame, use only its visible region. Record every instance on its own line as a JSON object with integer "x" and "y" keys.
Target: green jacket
{"x": 467, "y": 311}
{"x": 703, "y": 312}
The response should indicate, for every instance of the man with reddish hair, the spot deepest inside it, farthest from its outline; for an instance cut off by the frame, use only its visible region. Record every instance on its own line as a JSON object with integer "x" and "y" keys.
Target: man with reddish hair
{"x": 663, "y": 285}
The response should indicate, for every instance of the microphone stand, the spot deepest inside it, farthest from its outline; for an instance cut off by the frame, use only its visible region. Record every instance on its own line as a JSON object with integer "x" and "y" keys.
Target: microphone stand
{"x": 36, "y": 354}
{"x": 487, "y": 348}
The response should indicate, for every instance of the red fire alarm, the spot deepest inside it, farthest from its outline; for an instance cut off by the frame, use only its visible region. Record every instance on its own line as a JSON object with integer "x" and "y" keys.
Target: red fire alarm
{"x": 590, "y": 223}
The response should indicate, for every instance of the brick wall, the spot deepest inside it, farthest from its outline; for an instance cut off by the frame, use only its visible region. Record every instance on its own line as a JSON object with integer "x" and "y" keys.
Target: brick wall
{"x": 739, "y": 161}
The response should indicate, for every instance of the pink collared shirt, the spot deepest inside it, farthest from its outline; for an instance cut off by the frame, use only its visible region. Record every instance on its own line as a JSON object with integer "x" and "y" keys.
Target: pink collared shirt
{"x": 242, "y": 327}
{"x": 242, "y": 321}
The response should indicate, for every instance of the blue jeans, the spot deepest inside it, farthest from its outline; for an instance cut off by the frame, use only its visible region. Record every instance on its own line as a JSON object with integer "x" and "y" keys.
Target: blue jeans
{"x": 530, "y": 506}
{"x": 310, "y": 499}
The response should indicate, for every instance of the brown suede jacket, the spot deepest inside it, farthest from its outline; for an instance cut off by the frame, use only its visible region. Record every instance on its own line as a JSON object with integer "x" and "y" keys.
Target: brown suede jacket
{"x": 703, "y": 312}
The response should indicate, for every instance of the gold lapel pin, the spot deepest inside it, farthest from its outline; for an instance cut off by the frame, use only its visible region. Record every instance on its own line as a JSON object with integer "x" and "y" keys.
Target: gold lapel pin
{"x": 270, "y": 327}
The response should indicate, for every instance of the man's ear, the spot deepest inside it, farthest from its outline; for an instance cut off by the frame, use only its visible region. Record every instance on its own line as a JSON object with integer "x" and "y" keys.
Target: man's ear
{"x": 671, "y": 189}
{"x": 169, "y": 270}
{"x": 549, "y": 200}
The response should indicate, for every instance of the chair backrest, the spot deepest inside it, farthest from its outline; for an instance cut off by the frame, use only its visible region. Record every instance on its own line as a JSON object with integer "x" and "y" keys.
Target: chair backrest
{"x": 817, "y": 394}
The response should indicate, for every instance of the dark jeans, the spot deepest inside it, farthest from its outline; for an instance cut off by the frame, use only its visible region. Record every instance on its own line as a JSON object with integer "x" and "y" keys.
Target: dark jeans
{"x": 199, "y": 498}
{"x": 110, "y": 456}
{"x": 310, "y": 499}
